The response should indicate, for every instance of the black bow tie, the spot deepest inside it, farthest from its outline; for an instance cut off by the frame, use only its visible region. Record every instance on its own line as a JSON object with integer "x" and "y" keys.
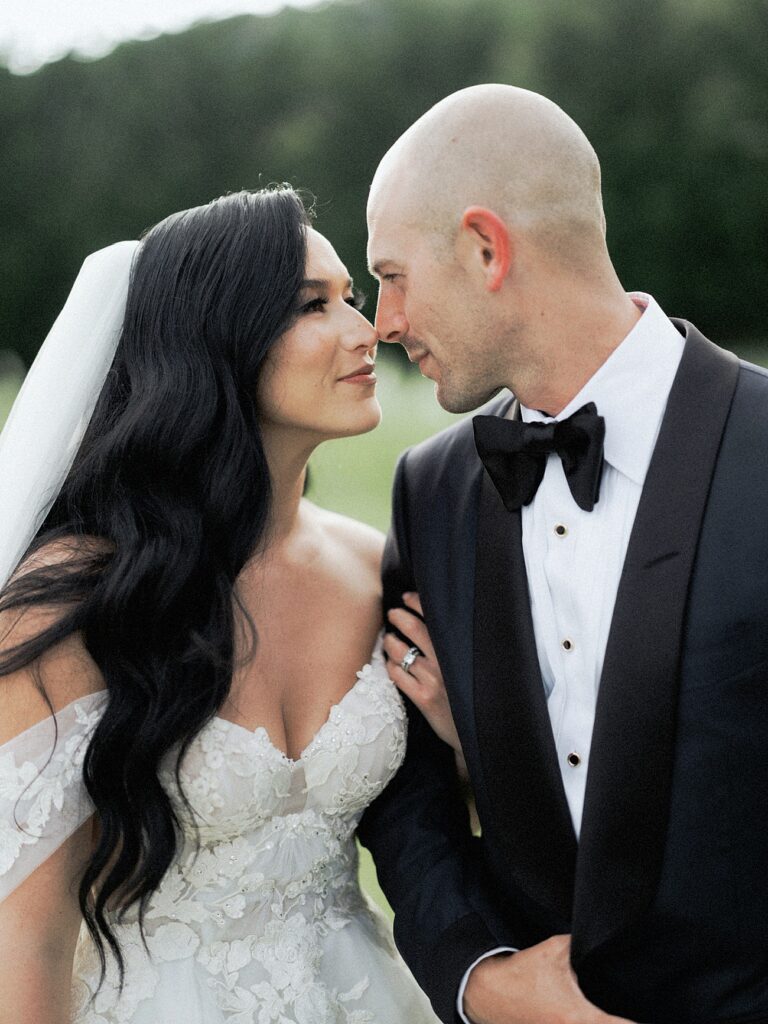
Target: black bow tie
{"x": 515, "y": 455}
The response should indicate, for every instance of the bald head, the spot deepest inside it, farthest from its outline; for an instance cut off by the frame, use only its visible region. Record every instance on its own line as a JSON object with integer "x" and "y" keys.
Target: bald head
{"x": 507, "y": 149}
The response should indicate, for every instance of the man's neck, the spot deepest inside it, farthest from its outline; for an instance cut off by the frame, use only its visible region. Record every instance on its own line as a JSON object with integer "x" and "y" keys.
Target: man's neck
{"x": 572, "y": 343}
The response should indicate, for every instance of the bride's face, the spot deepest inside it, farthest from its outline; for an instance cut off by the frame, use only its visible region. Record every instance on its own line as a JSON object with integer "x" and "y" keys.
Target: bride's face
{"x": 317, "y": 376}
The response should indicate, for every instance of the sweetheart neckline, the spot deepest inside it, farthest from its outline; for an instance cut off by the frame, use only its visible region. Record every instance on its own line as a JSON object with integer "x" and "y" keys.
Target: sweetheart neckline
{"x": 295, "y": 762}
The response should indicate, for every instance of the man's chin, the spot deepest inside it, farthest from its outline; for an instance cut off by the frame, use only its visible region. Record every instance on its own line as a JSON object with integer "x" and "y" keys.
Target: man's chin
{"x": 447, "y": 399}
{"x": 456, "y": 402}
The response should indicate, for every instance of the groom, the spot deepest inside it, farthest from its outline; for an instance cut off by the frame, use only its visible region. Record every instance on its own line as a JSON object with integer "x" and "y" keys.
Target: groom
{"x": 592, "y": 559}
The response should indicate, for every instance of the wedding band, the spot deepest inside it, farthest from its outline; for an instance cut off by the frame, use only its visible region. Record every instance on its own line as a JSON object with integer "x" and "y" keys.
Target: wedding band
{"x": 408, "y": 658}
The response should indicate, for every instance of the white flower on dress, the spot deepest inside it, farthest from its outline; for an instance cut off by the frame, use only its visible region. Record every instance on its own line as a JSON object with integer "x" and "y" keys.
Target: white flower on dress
{"x": 315, "y": 1004}
{"x": 47, "y": 792}
{"x": 289, "y": 951}
{"x": 234, "y": 906}
{"x": 11, "y": 842}
{"x": 14, "y": 780}
{"x": 225, "y": 960}
{"x": 215, "y": 759}
{"x": 242, "y": 1007}
{"x": 88, "y": 714}
{"x": 173, "y": 941}
{"x": 213, "y": 957}
{"x": 331, "y": 756}
{"x": 270, "y": 1002}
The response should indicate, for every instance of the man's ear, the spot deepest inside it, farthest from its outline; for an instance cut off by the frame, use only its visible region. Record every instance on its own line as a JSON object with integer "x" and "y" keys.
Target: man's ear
{"x": 486, "y": 238}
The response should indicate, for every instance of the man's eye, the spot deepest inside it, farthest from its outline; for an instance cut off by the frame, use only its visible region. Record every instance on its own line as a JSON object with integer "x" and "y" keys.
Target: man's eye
{"x": 390, "y": 277}
{"x": 314, "y": 306}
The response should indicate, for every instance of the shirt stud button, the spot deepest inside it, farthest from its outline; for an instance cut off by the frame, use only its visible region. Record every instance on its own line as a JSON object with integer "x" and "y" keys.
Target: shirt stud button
{"x": 567, "y": 645}
{"x": 573, "y": 759}
{"x": 561, "y": 530}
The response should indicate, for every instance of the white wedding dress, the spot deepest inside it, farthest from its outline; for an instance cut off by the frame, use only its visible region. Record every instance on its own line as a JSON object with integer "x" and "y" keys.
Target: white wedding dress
{"x": 266, "y": 923}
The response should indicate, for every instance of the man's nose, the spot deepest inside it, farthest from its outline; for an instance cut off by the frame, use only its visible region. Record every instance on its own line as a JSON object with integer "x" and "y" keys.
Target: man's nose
{"x": 391, "y": 321}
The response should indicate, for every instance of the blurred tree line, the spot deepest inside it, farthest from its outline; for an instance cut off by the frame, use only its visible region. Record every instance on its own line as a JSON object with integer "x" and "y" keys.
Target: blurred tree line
{"x": 672, "y": 93}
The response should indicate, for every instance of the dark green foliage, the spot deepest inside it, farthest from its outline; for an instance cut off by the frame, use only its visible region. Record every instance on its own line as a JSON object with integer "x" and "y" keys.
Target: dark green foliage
{"x": 673, "y": 93}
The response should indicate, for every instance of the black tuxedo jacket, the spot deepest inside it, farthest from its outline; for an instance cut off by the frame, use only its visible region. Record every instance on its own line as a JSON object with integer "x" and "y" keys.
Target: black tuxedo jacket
{"x": 666, "y": 893}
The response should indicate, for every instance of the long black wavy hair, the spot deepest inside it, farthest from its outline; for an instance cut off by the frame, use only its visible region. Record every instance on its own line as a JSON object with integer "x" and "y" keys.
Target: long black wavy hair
{"x": 168, "y": 498}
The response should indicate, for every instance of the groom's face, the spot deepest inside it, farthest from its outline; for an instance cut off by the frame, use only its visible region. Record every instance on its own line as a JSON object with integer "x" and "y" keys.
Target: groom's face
{"x": 427, "y": 304}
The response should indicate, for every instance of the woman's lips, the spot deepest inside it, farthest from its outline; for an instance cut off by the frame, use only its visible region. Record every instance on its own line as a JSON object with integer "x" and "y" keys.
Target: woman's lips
{"x": 364, "y": 375}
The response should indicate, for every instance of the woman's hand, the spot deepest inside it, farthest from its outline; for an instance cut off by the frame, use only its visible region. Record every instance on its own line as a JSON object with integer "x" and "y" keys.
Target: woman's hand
{"x": 423, "y": 682}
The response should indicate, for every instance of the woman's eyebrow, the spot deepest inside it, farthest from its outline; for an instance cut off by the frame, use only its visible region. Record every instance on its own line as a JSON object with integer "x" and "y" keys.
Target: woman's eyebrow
{"x": 317, "y": 282}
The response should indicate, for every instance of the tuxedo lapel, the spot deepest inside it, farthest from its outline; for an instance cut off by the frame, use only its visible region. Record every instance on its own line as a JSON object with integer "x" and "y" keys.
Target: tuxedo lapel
{"x": 631, "y": 762}
{"x": 517, "y": 750}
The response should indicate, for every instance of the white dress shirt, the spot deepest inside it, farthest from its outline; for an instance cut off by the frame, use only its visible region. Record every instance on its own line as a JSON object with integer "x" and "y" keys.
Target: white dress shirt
{"x": 573, "y": 558}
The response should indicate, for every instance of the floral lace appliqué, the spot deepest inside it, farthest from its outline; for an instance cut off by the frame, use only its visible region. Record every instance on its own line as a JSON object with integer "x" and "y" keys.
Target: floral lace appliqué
{"x": 264, "y": 922}
{"x": 42, "y": 797}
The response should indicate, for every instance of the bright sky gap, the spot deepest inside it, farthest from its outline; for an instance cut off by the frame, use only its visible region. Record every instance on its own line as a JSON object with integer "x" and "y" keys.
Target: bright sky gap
{"x": 34, "y": 32}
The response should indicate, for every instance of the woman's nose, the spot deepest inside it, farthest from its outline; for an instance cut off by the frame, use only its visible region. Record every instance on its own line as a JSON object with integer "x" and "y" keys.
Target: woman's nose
{"x": 362, "y": 334}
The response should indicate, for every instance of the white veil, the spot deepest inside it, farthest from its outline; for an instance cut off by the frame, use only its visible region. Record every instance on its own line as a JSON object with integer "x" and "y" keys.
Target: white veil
{"x": 37, "y": 448}
{"x": 48, "y": 419}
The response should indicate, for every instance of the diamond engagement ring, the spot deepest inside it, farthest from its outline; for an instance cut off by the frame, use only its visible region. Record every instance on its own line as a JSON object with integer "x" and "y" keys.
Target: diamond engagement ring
{"x": 408, "y": 659}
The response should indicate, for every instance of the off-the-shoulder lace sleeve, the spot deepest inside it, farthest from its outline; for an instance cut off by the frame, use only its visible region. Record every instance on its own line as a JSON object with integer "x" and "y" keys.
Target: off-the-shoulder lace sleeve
{"x": 42, "y": 796}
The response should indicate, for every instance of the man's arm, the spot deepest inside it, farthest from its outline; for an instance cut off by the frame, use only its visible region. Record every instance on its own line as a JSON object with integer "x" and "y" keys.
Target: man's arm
{"x": 419, "y": 834}
{"x": 430, "y": 868}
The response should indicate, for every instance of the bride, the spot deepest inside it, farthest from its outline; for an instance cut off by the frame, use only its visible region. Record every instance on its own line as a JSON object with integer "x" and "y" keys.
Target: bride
{"x": 187, "y": 737}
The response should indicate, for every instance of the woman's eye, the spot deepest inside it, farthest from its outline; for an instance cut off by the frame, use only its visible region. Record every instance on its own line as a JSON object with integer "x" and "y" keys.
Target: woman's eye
{"x": 356, "y": 300}
{"x": 314, "y": 305}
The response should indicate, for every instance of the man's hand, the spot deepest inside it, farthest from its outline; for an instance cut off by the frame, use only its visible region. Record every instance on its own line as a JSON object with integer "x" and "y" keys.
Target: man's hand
{"x": 534, "y": 986}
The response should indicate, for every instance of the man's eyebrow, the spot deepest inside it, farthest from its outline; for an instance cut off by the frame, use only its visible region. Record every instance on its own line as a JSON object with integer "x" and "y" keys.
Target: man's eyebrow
{"x": 318, "y": 282}
{"x": 379, "y": 266}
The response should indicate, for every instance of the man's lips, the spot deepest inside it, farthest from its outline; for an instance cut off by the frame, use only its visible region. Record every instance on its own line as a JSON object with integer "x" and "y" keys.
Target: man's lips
{"x": 425, "y": 367}
{"x": 415, "y": 357}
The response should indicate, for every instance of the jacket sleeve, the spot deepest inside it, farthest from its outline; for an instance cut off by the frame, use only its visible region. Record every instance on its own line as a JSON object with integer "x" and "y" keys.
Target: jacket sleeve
{"x": 419, "y": 834}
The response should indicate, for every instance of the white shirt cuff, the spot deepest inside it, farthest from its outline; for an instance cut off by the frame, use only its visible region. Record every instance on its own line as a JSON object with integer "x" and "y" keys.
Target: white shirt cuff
{"x": 465, "y": 979}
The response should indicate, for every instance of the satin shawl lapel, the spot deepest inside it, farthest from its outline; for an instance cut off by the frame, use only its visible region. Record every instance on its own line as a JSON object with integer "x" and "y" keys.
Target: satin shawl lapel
{"x": 514, "y": 734}
{"x": 633, "y": 745}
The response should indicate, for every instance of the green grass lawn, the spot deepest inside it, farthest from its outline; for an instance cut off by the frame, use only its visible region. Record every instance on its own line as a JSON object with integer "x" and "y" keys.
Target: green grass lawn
{"x": 8, "y": 388}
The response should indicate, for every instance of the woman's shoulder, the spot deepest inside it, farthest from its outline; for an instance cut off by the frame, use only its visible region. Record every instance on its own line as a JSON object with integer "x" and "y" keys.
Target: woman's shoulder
{"x": 64, "y": 672}
{"x": 66, "y": 552}
{"x": 357, "y": 541}
{"x": 25, "y": 612}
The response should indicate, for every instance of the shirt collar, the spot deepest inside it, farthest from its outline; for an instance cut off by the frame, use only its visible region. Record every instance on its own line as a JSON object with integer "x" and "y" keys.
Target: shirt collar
{"x": 631, "y": 389}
